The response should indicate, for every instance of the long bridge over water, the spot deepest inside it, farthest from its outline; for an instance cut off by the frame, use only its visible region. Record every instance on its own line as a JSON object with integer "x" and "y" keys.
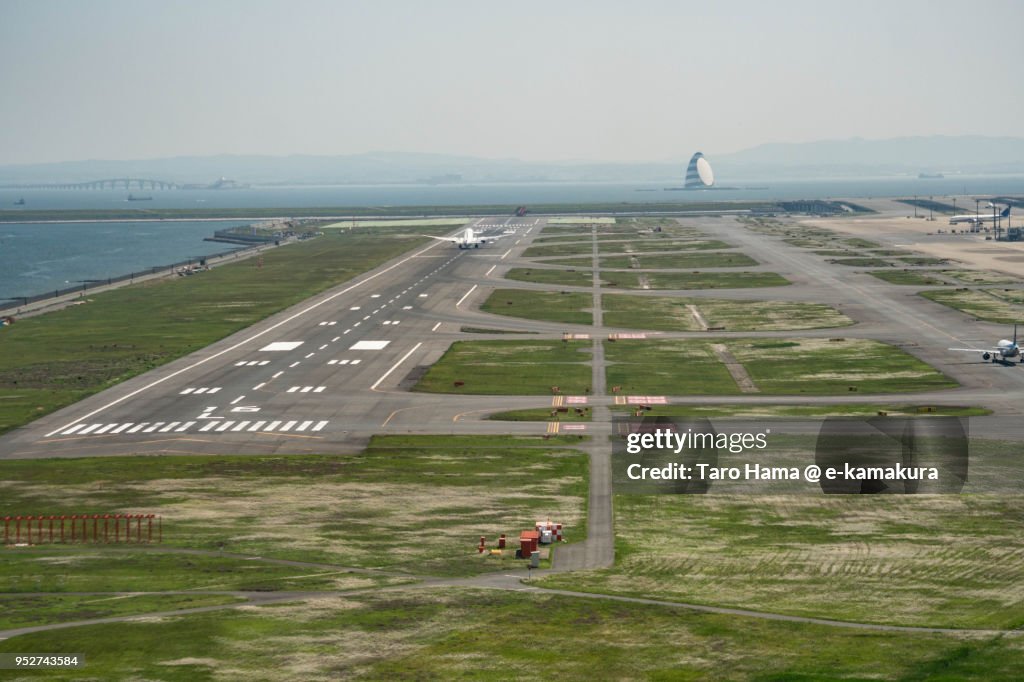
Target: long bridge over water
{"x": 112, "y": 183}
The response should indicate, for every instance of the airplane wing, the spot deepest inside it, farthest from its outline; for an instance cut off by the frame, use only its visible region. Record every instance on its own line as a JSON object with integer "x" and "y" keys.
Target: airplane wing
{"x": 976, "y": 350}
{"x": 444, "y": 239}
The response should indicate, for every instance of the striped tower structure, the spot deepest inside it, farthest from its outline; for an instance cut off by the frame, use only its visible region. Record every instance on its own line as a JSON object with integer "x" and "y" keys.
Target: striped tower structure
{"x": 699, "y": 174}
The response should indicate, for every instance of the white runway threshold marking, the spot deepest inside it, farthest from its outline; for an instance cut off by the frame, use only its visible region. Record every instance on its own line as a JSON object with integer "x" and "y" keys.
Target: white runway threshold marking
{"x": 243, "y": 342}
{"x": 395, "y": 366}
{"x": 229, "y": 426}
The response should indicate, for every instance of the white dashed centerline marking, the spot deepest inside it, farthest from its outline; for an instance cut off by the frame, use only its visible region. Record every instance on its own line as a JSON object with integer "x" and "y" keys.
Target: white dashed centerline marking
{"x": 435, "y": 327}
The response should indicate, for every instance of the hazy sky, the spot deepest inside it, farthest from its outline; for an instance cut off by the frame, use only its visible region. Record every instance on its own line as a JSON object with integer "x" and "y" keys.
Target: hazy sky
{"x": 535, "y": 80}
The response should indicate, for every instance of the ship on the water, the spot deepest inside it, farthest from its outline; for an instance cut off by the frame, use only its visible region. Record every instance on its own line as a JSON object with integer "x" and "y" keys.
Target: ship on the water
{"x": 132, "y": 197}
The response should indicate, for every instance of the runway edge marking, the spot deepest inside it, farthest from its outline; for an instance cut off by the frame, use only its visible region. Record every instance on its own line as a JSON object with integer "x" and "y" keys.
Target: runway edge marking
{"x": 395, "y": 366}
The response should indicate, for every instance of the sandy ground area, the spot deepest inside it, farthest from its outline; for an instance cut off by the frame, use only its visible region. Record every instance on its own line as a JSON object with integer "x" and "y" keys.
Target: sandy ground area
{"x": 892, "y": 227}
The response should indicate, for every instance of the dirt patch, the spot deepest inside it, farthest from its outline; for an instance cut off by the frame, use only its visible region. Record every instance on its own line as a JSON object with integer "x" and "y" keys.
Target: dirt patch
{"x": 736, "y": 370}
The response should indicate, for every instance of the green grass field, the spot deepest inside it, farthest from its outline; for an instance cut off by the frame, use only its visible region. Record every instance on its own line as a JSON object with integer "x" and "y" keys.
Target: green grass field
{"x": 913, "y": 277}
{"x": 666, "y": 367}
{"x": 681, "y": 261}
{"x": 708, "y": 280}
{"x": 394, "y": 506}
{"x": 839, "y": 253}
{"x": 548, "y": 306}
{"x": 510, "y": 368}
{"x": 624, "y": 279}
{"x": 776, "y": 366}
{"x": 34, "y": 610}
{"x": 922, "y": 260}
{"x": 673, "y": 314}
{"x": 657, "y": 245}
{"x": 981, "y": 276}
{"x": 571, "y": 249}
{"x": 816, "y": 410}
{"x": 858, "y": 243}
{"x": 571, "y": 277}
{"x": 823, "y": 367}
{"x": 862, "y": 262}
{"x": 935, "y": 560}
{"x": 77, "y": 567}
{"x": 53, "y": 360}
{"x": 990, "y": 305}
{"x": 486, "y": 634}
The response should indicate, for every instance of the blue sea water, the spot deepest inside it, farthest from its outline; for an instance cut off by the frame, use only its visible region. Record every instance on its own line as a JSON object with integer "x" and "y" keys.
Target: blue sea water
{"x": 35, "y": 258}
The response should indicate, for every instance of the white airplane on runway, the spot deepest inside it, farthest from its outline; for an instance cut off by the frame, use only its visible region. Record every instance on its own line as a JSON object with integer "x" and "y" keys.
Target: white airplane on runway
{"x": 467, "y": 240}
{"x": 979, "y": 218}
{"x": 1004, "y": 350}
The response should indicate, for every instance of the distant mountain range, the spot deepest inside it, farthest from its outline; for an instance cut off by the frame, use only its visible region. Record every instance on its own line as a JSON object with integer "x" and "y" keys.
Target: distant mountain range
{"x": 829, "y": 158}
{"x": 959, "y": 154}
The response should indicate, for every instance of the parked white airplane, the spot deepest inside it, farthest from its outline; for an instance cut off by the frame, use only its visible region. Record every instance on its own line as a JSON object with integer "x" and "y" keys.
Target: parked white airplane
{"x": 467, "y": 240}
{"x": 1004, "y": 350}
{"x": 979, "y": 218}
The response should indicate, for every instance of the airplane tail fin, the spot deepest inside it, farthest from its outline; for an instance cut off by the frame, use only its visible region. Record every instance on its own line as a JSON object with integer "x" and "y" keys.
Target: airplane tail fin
{"x": 1006, "y": 212}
